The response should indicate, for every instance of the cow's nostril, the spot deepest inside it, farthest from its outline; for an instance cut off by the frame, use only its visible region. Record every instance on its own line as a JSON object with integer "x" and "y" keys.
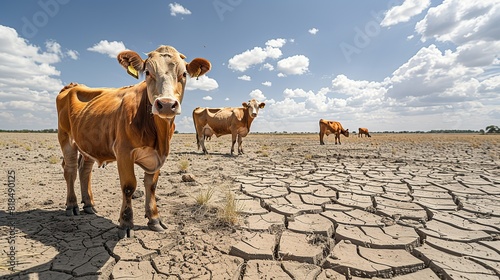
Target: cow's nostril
{"x": 158, "y": 104}
{"x": 175, "y": 105}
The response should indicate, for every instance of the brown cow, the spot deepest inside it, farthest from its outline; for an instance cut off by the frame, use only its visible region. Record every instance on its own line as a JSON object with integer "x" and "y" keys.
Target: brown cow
{"x": 363, "y": 130}
{"x": 223, "y": 121}
{"x": 129, "y": 125}
{"x": 327, "y": 127}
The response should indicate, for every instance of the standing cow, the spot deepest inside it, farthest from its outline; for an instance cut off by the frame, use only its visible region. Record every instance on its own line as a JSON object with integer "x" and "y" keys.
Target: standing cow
{"x": 129, "y": 125}
{"x": 327, "y": 127}
{"x": 363, "y": 130}
{"x": 223, "y": 121}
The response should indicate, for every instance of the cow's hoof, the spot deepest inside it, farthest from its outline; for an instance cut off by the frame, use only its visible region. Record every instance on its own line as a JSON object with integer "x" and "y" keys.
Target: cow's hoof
{"x": 89, "y": 209}
{"x": 70, "y": 211}
{"x": 125, "y": 232}
{"x": 156, "y": 225}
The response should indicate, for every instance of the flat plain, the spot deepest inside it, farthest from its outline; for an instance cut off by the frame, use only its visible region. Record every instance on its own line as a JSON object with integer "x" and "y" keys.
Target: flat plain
{"x": 401, "y": 206}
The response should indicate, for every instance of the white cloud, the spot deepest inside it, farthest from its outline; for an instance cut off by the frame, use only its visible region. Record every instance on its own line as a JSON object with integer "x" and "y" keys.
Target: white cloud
{"x": 267, "y": 83}
{"x": 460, "y": 21}
{"x": 313, "y": 31}
{"x": 202, "y": 83}
{"x": 257, "y": 94}
{"x": 72, "y": 54}
{"x": 245, "y": 78}
{"x": 28, "y": 82}
{"x": 404, "y": 12}
{"x": 268, "y": 66}
{"x": 276, "y": 43}
{"x": 208, "y": 97}
{"x": 294, "y": 65}
{"x": 112, "y": 49}
{"x": 243, "y": 61}
{"x": 176, "y": 9}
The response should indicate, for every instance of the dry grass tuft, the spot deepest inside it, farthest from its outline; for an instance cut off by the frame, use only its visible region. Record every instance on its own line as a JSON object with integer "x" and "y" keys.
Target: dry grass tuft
{"x": 183, "y": 164}
{"x": 204, "y": 197}
{"x": 53, "y": 159}
{"x": 229, "y": 212}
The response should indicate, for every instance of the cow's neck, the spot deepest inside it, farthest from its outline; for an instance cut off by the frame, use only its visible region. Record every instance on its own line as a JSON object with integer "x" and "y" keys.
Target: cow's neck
{"x": 247, "y": 119}
{"x": 156, "y": 131}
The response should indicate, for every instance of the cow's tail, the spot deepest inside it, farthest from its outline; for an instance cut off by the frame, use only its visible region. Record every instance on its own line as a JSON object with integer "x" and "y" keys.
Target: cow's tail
{"x": 196, "y": 130}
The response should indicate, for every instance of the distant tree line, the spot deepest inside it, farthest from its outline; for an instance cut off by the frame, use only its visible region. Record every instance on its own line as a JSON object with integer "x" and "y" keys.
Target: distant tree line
{"x": 491, "y": 129}
{"x": 49, "y": 130}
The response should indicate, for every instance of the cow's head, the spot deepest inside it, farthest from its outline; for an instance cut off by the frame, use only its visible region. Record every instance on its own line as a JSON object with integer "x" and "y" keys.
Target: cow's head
{"x": 345, "y": 132}
{"x": 166, "y": 72}
{"x": 253, "y": 107}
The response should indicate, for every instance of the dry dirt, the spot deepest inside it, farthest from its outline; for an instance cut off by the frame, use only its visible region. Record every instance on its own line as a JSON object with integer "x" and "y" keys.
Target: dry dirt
{"x": 406, "y": 206}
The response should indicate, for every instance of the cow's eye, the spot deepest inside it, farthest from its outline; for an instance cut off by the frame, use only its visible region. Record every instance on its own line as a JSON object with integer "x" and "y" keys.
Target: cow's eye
{"x": 147, "y": 72}
{"x": 184, "y": 74}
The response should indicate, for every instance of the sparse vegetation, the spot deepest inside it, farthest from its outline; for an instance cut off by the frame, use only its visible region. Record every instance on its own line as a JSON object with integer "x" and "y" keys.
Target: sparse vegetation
{"x": 229, "y": 212}
{"x": 204, "y": 197}
{"x": 53, "y": 159}
{"x": 183, "y": 164}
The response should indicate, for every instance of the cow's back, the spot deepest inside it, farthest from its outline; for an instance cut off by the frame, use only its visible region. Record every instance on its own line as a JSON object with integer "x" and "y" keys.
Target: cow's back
{"x": 93, "y": 117}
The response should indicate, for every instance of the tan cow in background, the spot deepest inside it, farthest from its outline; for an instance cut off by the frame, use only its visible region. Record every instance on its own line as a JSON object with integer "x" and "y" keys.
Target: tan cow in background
{"x": 129, "y": 125}
{"x": 223, "y": 121}
{"x": 363, "y": 130}
{"x": 328, "y": 127}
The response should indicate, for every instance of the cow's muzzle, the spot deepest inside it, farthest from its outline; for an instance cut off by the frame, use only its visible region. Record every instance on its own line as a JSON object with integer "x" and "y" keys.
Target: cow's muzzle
{"x": 166, "y": 107}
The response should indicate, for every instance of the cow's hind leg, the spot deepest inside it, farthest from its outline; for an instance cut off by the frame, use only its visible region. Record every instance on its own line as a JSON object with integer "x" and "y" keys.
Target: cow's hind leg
{"x": 233, "y": 141}
{"x": 150, "y": 181}
{"x": 240, "y": 147}
{"x": 201, "y": 141}
{"x": 128, "y": 185}
{"x": 85, "y": 165}
{"x": 69, "y": 164}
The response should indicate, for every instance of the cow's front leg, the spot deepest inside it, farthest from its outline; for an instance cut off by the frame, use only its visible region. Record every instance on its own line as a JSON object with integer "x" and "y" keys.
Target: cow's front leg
{"x": 85, "y": 171}
{"x": 128, "y": 185}
{"x": 233, "y": 141}
{"x": 150, "y": 182}
{"x": 321, "y": 135}
{"x": 240, "y": 147}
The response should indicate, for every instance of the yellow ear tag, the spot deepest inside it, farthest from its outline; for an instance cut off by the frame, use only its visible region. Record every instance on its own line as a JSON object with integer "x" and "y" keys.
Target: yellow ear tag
{"x": 131, "y": 70}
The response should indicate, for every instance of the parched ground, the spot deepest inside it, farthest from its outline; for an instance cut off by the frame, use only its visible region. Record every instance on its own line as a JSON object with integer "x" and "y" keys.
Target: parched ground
{"x": 402, "y": 206}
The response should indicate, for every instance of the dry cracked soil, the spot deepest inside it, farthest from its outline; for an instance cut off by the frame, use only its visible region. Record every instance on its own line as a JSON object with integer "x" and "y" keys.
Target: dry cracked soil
{"x": 401, "y": 206}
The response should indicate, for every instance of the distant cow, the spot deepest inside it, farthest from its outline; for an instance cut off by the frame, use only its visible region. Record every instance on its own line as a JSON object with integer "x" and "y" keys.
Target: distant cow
{"x": 328, "y": 127}
{"x": 363, "y": 130}
{"x": 223, "y": 121}
{"x": 129, "y": 125}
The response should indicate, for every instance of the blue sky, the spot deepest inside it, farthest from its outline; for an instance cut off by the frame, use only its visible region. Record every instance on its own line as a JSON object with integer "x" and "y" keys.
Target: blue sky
{"x": 386, "y": 65}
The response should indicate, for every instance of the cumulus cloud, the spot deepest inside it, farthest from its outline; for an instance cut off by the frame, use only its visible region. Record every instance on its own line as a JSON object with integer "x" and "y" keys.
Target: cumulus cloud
{"x": 404, "y": 12}
{"x": 313, "y": 31}
{"x": 267, "y": 83}
{"x": 243, "y": 61}
{"x": 208, "y": 98}
{"x": 268, "y": 66}
{"x": 29, "y": 81}
{"x": 202, "y": 83}
{"x": 245, "y": 78}
{"x": 177, "y": 8}
{"x": 112, "y": 49}
{"x": 461, "y": 21}
{"x": 294, "y": 65}
{"x": 257, "y": 94}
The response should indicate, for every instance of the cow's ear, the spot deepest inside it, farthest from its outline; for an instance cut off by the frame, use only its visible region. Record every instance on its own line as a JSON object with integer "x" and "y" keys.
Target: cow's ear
{"x": 262, "y": 105}
{"x": 244, "y": 104}
{"x": 198, "y": 66}
{"x": 131, "y": 61}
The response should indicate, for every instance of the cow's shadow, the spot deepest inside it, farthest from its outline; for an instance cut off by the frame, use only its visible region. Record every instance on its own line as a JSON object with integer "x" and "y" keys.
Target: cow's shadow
{"x": 51, "y": 245}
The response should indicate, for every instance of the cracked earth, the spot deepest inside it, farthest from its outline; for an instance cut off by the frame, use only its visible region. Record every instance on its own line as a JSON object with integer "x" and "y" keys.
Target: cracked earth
{"x": 401, "y": 206}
